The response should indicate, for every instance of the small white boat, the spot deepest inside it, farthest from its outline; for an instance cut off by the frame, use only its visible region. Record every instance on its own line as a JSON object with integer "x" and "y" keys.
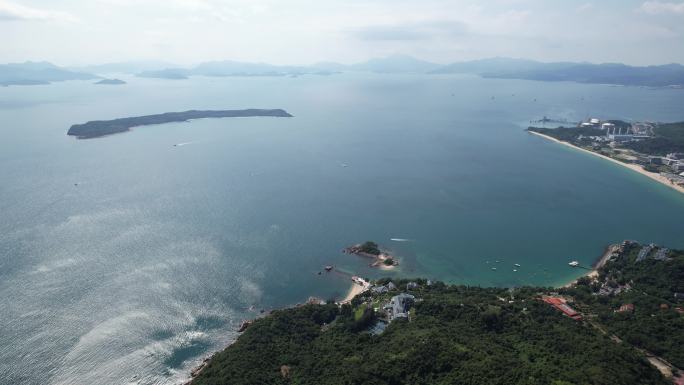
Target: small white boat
{"x": 516, "y": 264}
{"x": 494, "y": 268}
{"x": 515, "y": 270}
{"x": 573, "y": 263}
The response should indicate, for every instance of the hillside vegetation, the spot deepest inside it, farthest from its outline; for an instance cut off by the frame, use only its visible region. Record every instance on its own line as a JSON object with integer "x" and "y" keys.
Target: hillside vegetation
{"x": 471, "y": 335}
{"x": 655, "y": 324}
{"x": 669, "y": 138}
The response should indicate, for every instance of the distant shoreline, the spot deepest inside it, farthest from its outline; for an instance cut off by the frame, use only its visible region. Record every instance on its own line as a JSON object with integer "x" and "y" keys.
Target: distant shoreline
{"x": 653, "y": 176}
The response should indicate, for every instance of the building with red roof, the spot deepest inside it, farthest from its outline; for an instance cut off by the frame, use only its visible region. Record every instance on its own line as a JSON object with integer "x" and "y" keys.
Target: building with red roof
{"x": 560, "y": 304}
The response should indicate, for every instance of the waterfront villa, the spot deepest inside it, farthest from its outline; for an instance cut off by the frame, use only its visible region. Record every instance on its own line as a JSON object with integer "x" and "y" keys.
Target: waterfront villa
{"x": 399, "y": 306}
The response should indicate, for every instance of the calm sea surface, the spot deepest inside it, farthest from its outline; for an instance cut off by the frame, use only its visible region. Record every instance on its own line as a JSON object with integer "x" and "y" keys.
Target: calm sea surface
{"x": 125, "y": 259}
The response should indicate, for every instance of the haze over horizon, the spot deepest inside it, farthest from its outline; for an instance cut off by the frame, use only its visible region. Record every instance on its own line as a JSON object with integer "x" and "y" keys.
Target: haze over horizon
{"x": 186, "y": 32}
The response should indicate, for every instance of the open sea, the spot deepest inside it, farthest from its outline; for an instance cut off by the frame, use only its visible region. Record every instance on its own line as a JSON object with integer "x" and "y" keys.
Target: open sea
{"x": 126, "y": 259}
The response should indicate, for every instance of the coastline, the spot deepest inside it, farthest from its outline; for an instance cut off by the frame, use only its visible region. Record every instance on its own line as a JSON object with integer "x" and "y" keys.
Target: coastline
{"x": 634, "y": 167}
{"x": 598, "y": 264}
{"x": 354, "y": 290}
{"x": 378, "y": 259}
{"x": 358, "y": 286}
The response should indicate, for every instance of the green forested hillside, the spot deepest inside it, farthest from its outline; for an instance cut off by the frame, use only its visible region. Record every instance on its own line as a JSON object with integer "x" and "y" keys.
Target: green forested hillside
{"x": 669, "y": 137}
{"x": 456, "y": 335}
{"x": 655, "y": 324}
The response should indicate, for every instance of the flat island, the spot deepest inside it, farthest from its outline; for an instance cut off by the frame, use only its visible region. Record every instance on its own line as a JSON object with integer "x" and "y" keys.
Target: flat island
{"x": 369, "y": 249}
{"x": 98, "y": 128}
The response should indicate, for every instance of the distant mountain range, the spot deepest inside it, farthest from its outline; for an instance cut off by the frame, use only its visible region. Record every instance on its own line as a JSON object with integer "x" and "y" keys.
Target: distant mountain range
{"x": 235, "y": 68}
{"x": 391, "y": 64}
{"x": 128, "y": 67}
{"x": 607, "y": 73}
{"x": 32, "y": 73}
{"x": 502, "y": 68}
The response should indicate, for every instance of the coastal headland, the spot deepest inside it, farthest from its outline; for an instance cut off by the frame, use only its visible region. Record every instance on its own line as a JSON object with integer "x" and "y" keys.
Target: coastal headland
{"x": 98, "y": 128}
{"x": 622, "y": 324}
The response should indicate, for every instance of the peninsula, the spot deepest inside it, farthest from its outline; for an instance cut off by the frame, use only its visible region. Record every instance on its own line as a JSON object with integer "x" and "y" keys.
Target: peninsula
{"x": 655, "y": 150}
{"x": 98, "y": 128}
{"x": 622, "y": 325}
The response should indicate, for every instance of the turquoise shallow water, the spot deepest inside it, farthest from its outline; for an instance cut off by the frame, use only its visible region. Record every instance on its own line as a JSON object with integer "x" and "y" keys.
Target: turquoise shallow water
{"x": 156, "y": 255}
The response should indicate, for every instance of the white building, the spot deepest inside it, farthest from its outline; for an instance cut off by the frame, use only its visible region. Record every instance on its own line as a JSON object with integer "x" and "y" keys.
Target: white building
{"x": 621, "y": 138}
{"x": 608, "y": 127}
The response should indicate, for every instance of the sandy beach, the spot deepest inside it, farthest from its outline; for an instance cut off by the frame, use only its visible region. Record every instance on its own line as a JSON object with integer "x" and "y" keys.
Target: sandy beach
{"x": 354, "y": 290}
{"x": 633, "y": 167}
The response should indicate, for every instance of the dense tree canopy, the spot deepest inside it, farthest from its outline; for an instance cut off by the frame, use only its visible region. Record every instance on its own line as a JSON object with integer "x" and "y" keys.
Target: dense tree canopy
{"x": 456, "y": 335}
{"x": 655, "y": 324}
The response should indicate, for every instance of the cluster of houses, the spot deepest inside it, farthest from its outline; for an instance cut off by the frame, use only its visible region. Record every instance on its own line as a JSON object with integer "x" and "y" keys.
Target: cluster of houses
{"x": 661, "y": 253}
{"x": 675, "y": 160}
{"x": 608, "y": 288}
{"x": 399, "y": 305}
{"x": 644, "y": 252}
{"x": 627, "y": 132}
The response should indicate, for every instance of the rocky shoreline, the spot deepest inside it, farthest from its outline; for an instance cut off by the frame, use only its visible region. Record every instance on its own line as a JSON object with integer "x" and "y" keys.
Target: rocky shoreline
{"x": 381, "y": 258}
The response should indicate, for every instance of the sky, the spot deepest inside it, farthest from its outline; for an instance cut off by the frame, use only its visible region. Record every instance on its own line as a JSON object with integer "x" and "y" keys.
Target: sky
{"x": 185, "y": 32}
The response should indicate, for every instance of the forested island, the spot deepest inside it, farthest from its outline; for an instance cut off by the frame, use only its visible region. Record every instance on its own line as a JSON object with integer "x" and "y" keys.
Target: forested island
{"x": 111, "y": 82}
{"x": 371, "y": 249}
{"x": 97, "y": 128}
{"x": 624, "y": 325}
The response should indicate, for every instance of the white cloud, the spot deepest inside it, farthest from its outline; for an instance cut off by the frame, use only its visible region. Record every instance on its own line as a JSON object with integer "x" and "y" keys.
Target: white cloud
{"x": 12, "y": 11}
{"x": 413, "y": 31}
{"x": 658, "y": 7}
{"x": 303, "y": 31}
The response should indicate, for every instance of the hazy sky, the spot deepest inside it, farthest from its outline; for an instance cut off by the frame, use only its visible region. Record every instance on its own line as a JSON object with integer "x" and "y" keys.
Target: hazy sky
{"x": 305, "y": 31}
